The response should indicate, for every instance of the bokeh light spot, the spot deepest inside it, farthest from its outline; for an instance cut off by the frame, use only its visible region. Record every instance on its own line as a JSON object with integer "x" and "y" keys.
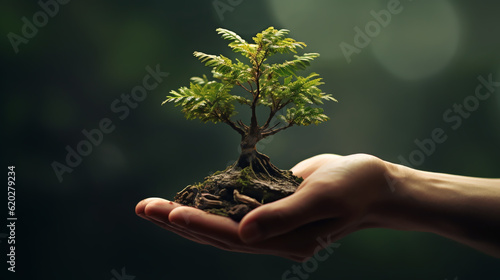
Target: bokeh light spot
{"x": 323, "y": 24}
{"x": 420, "y": 41}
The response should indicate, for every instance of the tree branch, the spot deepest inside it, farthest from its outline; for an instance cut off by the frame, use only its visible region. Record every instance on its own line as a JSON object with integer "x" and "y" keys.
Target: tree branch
{"x": 234, "y": 126}
{"x": 273, "y": 112}
{"x": 269, "y": 119}
{"x": 253, "y": 123}
{"x": 276, "y": 125}
{"x": 251, "y": 87}
{"x": 250, "y": 91}
{"x": 264, "y": 58}
{"x": 281, "y": 106}
{"x": 274, "y": 131}
{"x": 242, "y": 125}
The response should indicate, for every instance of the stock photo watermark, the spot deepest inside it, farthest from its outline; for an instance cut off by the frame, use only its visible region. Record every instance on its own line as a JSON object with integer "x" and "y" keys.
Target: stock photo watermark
{"x": 363, "y": 37}
{"x": 11, "y": 218}
{"x": 453, "y": 117}
{"x": 122, "y": 275}
{"x": 121, "y": 107}
{"x": 303, "y": 271}
{"x": 30, "y": 28}
{"x": 224, "y": 6}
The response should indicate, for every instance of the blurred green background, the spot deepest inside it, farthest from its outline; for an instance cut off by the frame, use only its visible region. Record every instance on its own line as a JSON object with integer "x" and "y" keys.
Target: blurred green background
{"x": 395, "y": 90}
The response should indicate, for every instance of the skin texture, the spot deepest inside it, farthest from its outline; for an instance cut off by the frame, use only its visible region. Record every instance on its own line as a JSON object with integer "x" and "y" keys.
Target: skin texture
{"x": 341, "y": 195}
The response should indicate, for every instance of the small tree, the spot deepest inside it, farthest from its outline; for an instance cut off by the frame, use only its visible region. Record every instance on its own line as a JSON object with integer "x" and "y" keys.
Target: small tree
{"x": 290, "y": 98}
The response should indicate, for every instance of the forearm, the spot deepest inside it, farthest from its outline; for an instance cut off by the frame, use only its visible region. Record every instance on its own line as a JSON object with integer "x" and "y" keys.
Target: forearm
{"x": 461, "y": 208}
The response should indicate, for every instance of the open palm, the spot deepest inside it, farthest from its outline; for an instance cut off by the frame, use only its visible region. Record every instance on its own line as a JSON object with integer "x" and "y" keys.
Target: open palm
{"x": 339, "y": 195}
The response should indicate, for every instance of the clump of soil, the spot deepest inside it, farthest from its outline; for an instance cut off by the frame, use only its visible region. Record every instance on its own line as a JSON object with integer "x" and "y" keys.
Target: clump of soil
{"x": 234, "y": 192}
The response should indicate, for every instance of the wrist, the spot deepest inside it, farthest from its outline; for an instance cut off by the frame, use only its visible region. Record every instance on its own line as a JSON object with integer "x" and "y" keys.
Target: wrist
{"x": 400, "y": 204}
{"x": 429, "y": 202}
{"x": 461, "y": 208}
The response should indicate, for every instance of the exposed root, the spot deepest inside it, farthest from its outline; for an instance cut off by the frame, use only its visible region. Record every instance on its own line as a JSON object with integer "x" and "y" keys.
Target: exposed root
{"x": 236, "y": 191}
{"x": 241, "y": 198}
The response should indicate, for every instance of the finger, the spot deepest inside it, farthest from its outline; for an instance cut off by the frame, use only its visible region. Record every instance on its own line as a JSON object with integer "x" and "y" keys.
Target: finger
{"x": 197, "y": 225}
{"x": 192, "y": 236}
{"x": 139, "y": 208}
{"x": 220, "y": 229}
{"x": 177, "y": 231}
{"x": 221, "y": 232}
{"x": 195, "y": 220}
{"x": 206, "y": 240}
{"x": 201, "y": 227}
{"x": 284, "y": 215}
{"x": 306, "y": 167}
{"x": 158, "y": 211}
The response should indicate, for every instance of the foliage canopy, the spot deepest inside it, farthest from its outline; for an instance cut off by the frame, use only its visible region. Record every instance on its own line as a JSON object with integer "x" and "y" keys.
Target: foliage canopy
{"x": 275, "y": 85}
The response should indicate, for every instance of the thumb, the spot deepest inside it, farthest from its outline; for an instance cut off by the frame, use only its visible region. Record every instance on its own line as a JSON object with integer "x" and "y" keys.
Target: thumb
{"x": 281, "y": 216}
{"x": 306, "y": 167}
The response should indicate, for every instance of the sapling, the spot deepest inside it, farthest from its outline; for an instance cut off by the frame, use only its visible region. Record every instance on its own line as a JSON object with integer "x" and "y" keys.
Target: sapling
{"x": 291, "y": 99}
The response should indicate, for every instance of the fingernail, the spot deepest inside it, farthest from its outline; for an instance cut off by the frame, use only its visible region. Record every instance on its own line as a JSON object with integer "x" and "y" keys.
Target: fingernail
{"x": 251, "y": 233}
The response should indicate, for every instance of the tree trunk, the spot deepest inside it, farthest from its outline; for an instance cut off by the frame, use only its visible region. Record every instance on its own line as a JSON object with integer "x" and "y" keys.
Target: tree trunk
{"x": 250, "y": 182}
{"x": 259, "y": 163}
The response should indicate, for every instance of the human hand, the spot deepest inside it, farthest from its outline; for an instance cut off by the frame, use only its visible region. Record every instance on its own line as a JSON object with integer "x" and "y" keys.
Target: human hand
{"x": 339, "y": 195}
{"x": 204, "y": 228}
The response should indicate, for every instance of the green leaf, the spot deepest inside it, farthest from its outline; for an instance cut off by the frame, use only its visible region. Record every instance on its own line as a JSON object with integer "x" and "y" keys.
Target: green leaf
{"x": 289, "y": 68}
{"x": 200, "y": 81}
{"x": 230, "y": 35}
{"x": 276, "y": 86}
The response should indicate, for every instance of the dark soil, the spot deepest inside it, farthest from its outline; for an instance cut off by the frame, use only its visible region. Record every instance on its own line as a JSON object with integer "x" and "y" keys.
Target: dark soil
{"x": 235, "y": 192}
